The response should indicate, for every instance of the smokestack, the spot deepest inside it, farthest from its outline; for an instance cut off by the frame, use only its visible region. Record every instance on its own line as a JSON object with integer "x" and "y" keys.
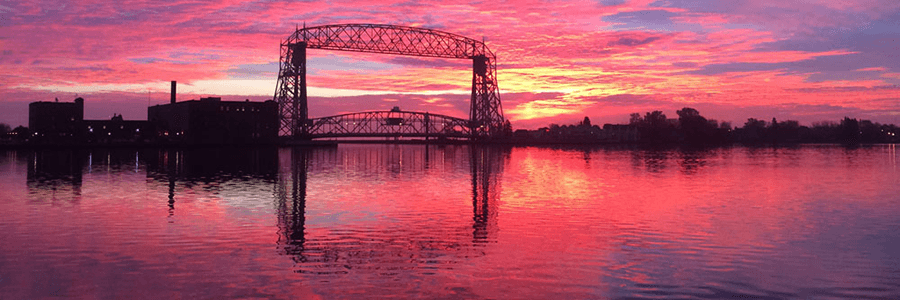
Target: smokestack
{"x": 173, "y": 92}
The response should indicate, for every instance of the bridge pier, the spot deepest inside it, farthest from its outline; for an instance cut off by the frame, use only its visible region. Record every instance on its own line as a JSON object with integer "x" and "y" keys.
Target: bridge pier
{"x": 300, "y": 109}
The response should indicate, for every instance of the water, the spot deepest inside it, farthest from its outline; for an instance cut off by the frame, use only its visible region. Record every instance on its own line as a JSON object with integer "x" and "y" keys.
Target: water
{"x": 410, "y": 221}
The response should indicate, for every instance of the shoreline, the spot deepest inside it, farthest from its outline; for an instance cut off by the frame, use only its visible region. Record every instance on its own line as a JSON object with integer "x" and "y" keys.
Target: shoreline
{"x": 335, "y": 143}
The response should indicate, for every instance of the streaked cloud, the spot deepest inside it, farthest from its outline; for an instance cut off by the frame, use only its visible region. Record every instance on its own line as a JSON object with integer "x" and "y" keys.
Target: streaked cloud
{"x": 557, "y": 60}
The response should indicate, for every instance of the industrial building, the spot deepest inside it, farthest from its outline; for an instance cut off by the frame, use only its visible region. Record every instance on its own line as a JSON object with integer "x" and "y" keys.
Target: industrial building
{"x": 208, "y": 121}
{"x": 211, "y": 121}
{"x": 56, "y": 121}
{"x": 117, "y": 130}
{"x": 63, "y": 123}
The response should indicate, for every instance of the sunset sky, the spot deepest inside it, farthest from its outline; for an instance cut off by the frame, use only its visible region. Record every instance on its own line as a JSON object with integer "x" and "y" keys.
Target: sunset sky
{"x": 557, "y": 61}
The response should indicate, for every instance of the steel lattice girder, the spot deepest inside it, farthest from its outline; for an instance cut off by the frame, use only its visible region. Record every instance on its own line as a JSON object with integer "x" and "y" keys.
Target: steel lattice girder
{"x": 389, "y": 39}
{"x": 486, "y": 115}
{"x": 389, "y": 124}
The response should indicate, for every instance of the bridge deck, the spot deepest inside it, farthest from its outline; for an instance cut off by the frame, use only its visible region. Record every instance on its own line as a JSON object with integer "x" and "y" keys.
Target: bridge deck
{"x": 393, "y": 123}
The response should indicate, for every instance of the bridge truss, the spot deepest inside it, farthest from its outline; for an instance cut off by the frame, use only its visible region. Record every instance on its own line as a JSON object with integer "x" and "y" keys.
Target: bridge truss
{"x": 389, "y": 124}
{"x": 485, "y": 114}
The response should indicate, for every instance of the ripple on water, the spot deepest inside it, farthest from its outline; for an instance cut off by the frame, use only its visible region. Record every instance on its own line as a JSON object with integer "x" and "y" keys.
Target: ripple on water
{"x": 376, "y": 221}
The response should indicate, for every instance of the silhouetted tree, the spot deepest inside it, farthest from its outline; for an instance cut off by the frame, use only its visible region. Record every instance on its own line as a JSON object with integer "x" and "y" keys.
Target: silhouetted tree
{"x": 554, "y": 130}
{"x": 824, "y": 132}
{"x": 753, "y": 132}
{"x": 725, "y": 126}
{"x": 654, "y": 127}
{"x": 22, "y": 133}
{"x": 869, "y": 132}
{"x": 692, "y": 128}
{"x": 695, "y": 128}
{"x": 635, "y": 119}
{"x": 771, "y": 134}
{"x": 850, "y": 131}
{"x": 787, "y": 132}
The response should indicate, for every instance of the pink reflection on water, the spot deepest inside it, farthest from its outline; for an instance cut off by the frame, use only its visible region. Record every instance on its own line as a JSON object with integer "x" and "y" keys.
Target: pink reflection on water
{"x": 416, "y": 221}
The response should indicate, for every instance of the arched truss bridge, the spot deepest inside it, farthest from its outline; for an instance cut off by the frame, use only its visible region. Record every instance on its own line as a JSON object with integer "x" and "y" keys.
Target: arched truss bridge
{"x": 485, "y": 114}
{"x": 392, "y": 123}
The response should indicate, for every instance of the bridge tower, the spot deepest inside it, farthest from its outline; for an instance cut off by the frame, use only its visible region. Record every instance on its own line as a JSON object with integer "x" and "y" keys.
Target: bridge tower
{"x": 291, "y": 96}
{"x": 486, "y": 113}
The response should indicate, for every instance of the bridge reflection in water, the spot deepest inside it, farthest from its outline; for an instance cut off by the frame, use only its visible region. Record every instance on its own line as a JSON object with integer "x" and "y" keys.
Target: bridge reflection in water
{"x": 346, "y": 247}
{"x": 429, "y": 207}
{"x": 415, "y": 221}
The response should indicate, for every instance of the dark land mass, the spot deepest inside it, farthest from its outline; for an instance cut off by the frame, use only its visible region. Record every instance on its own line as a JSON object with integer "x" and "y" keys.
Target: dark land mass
{"x": 653, "y": 129}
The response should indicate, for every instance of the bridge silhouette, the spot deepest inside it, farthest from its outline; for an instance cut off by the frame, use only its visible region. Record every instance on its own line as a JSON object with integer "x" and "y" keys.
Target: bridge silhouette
{"x": 485, "y": 115}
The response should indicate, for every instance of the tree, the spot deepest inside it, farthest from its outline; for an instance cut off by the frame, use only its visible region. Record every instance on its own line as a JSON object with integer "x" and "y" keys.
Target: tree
{"x": 695, "y": 128}
{"x": 4, "y": 128}
{"x": 586, "y": 122}
{"x": 635, "y": 119}
{"x": 21, "y": 133}
{"x": 785, "y": 131}
{"x": 655, "y": 117}
{"x": 850, "y": 131}
{"x": 554, "y": 129}
{"x": 754, "y": 131}
{"x": 654, "y": 127}
{"x": 688, "y": 112}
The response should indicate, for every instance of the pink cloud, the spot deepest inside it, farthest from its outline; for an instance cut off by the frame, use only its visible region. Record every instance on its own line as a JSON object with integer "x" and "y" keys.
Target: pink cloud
{"x": 557, "y": 60}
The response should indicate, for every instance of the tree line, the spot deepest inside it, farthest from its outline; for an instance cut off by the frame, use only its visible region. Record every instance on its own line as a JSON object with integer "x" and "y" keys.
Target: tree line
{"x": 691, "y": 128}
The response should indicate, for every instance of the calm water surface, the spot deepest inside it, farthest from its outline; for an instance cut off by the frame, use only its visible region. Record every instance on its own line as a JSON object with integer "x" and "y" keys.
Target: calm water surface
{"x": 410, "y": 221}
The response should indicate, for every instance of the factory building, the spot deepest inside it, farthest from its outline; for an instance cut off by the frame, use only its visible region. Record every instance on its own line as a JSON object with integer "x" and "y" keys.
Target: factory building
{"x": 117, "y": 130}
{"x": 56, "y": 121}
{"x": 208, "y": 121}
{"x": 211, "y": 121}
{"x": 63, "y": 123}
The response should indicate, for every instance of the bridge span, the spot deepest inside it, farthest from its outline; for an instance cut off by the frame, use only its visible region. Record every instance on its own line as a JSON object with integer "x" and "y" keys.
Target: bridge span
{"x": 485, "y": 118}
{"x": 393, "y": 123}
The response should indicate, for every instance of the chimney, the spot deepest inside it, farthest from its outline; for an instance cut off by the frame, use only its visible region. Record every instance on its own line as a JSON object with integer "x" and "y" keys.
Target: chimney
{"x": 173, "y": 92}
